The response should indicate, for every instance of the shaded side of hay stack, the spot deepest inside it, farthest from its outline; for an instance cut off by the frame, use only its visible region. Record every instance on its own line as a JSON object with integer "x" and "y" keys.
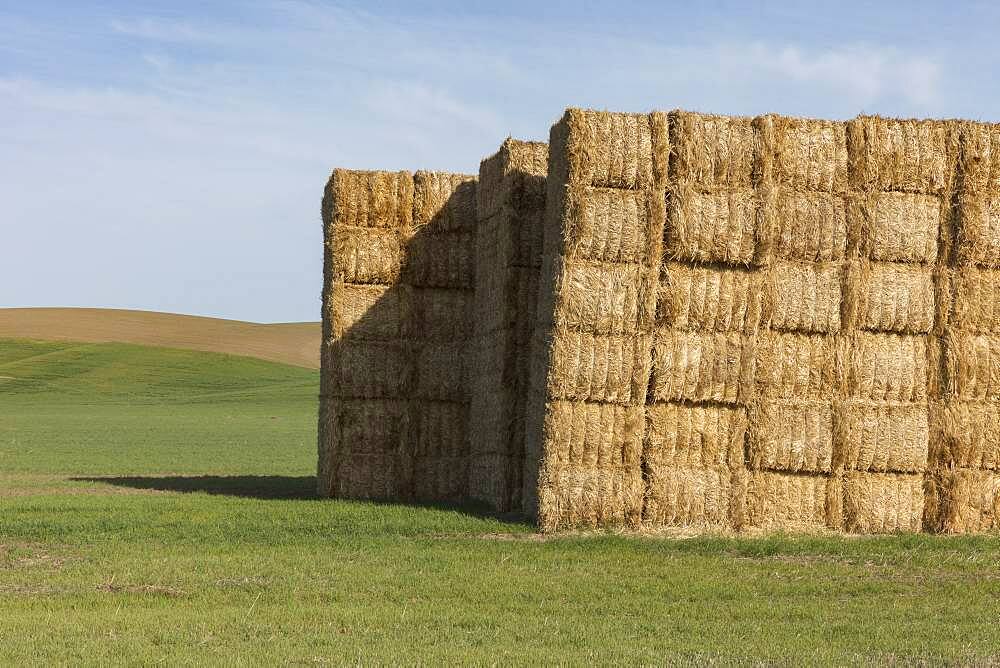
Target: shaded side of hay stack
{"x": 801, "y": 182}
{"x": 365, "y": 441}
{"x": 594, "y": 330}
{"x": 964, "y": 482}
{"x": 900, "y": 173}
{"x": 510, "y": 206}
{"x": 397, "y": 295}
{"x": 439, "y": 274}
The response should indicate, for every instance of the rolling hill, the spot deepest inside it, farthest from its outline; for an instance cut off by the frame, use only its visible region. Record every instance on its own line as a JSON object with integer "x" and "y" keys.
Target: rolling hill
{"x": 289, "y": 343}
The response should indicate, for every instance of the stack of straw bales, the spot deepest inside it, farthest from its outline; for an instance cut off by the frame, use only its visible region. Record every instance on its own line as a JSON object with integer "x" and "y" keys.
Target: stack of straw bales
{"x": 397, "y": 298}
{"x": 511, "y": 202}
{"x": 964, "y": 484}
{"x": 676, "y": 319}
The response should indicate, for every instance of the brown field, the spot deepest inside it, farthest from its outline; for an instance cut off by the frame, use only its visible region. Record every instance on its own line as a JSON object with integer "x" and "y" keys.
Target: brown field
{"x": 294, "y": 343}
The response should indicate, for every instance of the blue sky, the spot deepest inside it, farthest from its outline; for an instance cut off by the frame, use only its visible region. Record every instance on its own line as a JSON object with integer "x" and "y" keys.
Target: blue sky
{"x": 171, "y": 156}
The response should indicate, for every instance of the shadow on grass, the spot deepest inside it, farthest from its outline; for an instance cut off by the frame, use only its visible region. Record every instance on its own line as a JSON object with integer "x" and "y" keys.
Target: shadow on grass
{"x": 275, "y": 487}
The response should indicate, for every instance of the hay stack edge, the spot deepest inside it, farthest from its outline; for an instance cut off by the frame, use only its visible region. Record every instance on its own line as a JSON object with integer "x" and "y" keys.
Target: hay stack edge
{"x": 676, "y": 319}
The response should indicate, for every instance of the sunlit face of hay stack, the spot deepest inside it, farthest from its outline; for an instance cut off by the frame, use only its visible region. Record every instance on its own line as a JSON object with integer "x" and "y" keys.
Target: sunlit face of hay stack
{"x": 511, "y": 204}
{"x": 597, "y": 300}
{"x": 963, "y": 491}
{"x": 398, "y": 281}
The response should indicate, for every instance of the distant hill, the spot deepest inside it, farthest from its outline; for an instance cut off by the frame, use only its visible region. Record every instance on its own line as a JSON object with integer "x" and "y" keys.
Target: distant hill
{"x": 294, "y": 343}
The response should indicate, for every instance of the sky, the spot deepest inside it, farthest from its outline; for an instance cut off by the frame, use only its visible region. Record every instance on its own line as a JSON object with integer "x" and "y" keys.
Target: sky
{"x": 171, "y": 156}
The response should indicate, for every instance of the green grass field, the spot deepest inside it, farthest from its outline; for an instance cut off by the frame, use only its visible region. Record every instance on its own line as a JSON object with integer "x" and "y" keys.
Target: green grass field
{"x": 156, "y": 506}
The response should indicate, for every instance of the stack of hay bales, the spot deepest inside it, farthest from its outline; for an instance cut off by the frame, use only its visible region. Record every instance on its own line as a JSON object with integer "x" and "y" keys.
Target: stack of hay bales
{"x": 397, "y": 297}
{"x": 900, "y": 194}
{"x": 800, "y": 180}
{"x": 964, "y": 486}
{"x": 511, "y": 203}
{"x": 596, "y": 310}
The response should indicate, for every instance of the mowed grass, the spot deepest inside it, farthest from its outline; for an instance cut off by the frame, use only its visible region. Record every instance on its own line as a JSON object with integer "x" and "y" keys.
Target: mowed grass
{"x": 156, "y": 506}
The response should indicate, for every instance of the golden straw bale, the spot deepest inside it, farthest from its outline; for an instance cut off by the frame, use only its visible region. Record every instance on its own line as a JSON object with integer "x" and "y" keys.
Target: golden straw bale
{"x": 369, "y": 199}
{"x": 711, "y": 227}
{"x": 604, "y": 149}
{"x": 371, "y": 312}
{"x": 802, "y": 153}
{"x": 794, "y": 366}
{"x": 802, "y": 226}
{"x": 704, "y": 298}
{"x": 972, "y": 365}
{"x": 803, "y": 296}
{"x": 883, "y": 502}
{"x": 526, "y": 300}
{"x": 682, "y": 435}
{"x": 494, "y": 480}
{"x": 787, "y": 501}
{"x": 889, "y": 297}
{"x": 367, "y": 369}
{"x": 443, "y": 202}
{"x": 611, "y": 225}
{"x": 699, "y": 366}
{"x": 963, "y": 501}
{"x": 790, "y": 435}
{"x": 980, "y": 157}
{"x": 712, "y": 152}
{"x": 966, "y": 434}
{"x": 591, "y": 471}
{"x": 687, "y": 496}
{"x": 441, "y": 260}
{"x": 895, "y": 226}
{"x": 490, "y": 423}
{"x": 365, "y": 255}
{"x": 901, "y": 155}
{"x": 978, "y": 234}
{"x": 370, "y": 448}
{"x": 589, "y": 367}
{"x": 606, "y": 298}
{"x": 440, "y": 458}
{"x": 438, "y": 314}
{"x": 512, "y": 178}
{"x": 976, "y": 300}
{"x": 881, "y": 437}
{"x": 883, "y": 367}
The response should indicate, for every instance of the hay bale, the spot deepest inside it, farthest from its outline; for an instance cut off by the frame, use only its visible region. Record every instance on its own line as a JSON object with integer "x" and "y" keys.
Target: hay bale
{"x": 790, "y": 435}
{"x": 495, "y": 480}
{"x": 445, "y": 260}
{"x": 980, "y": 157}
{"x": 590, "y": 367}
{"x": 978, "y": 234}
{"x": 443, "y": 202}
{"x": 899, "y": 155}
{"x": 712, "y": 153}
{"x": 972, "y": 365}
{"x": 606, "y": 298}
{"x": 706, "y": 298}
{"x": 368, "y": 312}
{"x": 802, "y": 153}
{"x": 883, "y": 367}
{"x": 963, "y": 501}
{"x": 883, "y": 502}
{"x": 367, "y": 369}
{"x": 711, "y": 227}
{"x": 365, "y": 255}
{"x": 442, "y": 372}
{"x": 803, "y": 297}
{"x": 975, "y": 308}
{"x": 604, "y": 149}
{"x": 794, "y": 366}
{"x": 368, "y": 199}
{"x": 435, "y": 314}
{"x": 966, "y": 434}
{"x": 801, "y": 226}
{"x": 611, "y": 225}
{"x": 512, "y": 180}
{"x": 889, "y": 297}
{"x": 591, "y": 473}
{"x": 440, "y": 458}
{"x": 789, "y": 501}
{"x": 686, "y": 436}
{"x": 880, "y": 437}
{"x": 687, "y": 496}
{"x": 370, "y": 448}
{"x": 895, "y": 226}
{"x": 700, "y": 366}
